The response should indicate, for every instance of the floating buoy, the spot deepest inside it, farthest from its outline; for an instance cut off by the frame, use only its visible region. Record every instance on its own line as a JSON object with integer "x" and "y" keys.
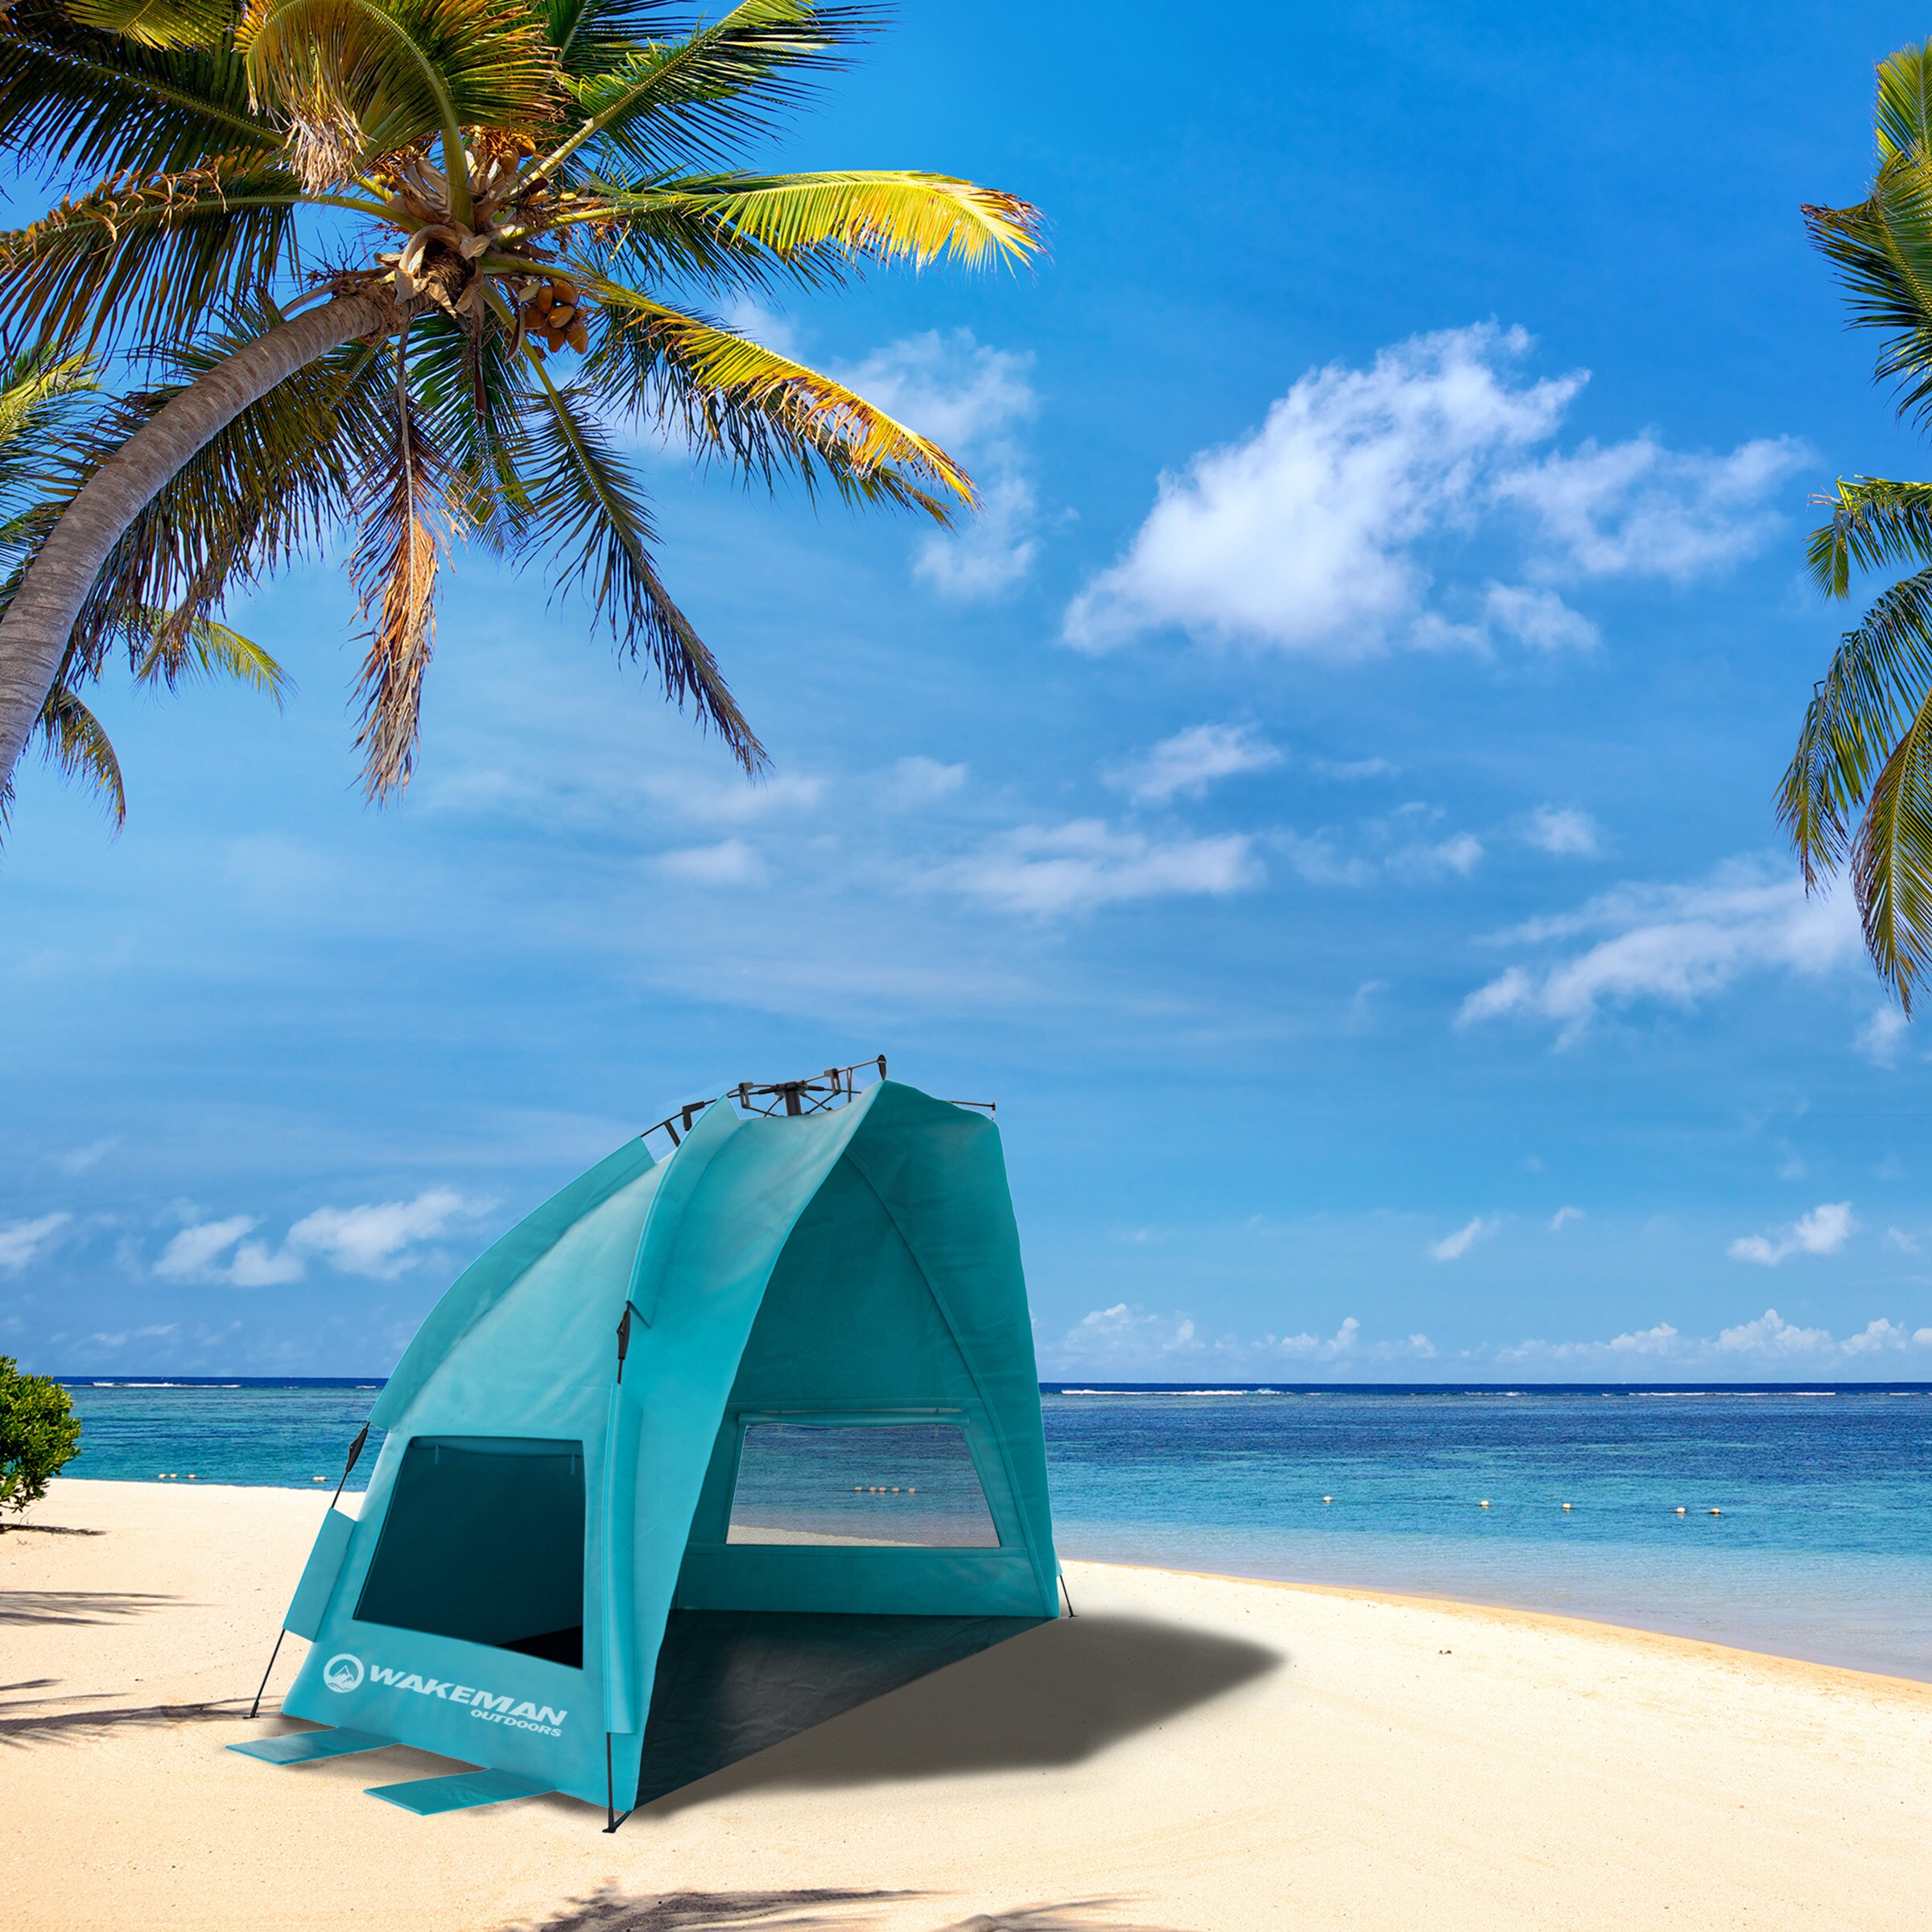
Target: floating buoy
{"x": 1328, "y": 1499}
{"x": 1484, "y": 1504}
{"x": 858, "y": 1488}
{"x": 1568, "y": 1505}
{"x": 1717, "y": 1512}
{"x": 895, "y": 1489}
{"x": 912, "y": 1492}
{"x": 1680, "y": 1509}
{"x": 318, "y": 1479}
{"x": 190, "y": 1475}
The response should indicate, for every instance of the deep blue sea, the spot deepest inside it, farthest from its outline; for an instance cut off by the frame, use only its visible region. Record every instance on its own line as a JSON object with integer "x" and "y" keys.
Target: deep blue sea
{"x": 1822, "y": 1549}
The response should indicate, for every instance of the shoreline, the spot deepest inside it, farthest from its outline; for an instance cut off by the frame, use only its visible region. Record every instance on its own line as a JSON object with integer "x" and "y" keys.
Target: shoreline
{"x": 1355, "y": 1592}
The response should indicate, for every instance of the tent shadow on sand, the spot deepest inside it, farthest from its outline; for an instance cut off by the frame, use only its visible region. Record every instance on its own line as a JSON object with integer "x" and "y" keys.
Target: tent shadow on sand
{"x": 1055, "y": 1696}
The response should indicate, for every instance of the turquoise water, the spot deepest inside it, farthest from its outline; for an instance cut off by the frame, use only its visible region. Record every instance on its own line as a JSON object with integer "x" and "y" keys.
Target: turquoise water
{"x": 1822, "y": 1549}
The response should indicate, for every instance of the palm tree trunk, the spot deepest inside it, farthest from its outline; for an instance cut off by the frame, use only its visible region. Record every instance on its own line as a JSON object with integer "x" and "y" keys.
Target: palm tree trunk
{"x": 35, "y": 631}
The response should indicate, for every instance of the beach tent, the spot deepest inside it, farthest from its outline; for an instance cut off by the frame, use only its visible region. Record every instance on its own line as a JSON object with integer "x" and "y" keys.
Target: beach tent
{"x": 706, "y": 1449}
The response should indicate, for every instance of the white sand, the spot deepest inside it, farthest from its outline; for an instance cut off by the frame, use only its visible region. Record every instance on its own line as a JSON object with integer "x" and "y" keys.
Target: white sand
{"x": 1193, "y": 1753}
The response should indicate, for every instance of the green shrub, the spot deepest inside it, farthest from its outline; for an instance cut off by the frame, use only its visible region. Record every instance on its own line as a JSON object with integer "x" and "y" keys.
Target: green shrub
{"x": 40, "y": 1434}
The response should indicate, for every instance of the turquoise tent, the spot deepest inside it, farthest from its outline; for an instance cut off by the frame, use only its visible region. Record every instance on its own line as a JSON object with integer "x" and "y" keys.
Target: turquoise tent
{"x": 705, "y": 1451}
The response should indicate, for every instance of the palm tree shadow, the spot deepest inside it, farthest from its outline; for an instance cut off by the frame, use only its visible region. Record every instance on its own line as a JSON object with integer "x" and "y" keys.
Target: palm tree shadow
{"x": 608, "y": 1910}
{"x": 815, "y": 1909}
{"x": 76, "y": 1606}
{"x": 80, "y": 1726}
{"x": 1055, "y": 1696}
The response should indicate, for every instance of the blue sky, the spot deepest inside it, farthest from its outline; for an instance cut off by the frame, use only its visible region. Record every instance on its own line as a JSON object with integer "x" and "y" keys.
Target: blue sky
{"x": 1325, "y": 801}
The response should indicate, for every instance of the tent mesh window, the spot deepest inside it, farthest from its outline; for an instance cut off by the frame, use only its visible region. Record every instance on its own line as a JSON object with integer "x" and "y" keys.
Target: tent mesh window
{"x": 881, "y": 1484}
{"x": 484, "y": 1541}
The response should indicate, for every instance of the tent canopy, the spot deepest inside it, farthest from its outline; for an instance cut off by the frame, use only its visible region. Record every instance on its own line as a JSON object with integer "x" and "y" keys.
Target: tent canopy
{"x": 701, "y": 1451}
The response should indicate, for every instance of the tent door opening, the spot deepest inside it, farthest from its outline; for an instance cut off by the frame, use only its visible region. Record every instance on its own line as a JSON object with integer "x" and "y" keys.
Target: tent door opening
{"x": 484, "y": 1541}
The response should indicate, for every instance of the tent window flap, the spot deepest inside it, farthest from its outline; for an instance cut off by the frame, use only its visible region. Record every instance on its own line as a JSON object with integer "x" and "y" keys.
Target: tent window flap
{"x": 484, "y": 1541}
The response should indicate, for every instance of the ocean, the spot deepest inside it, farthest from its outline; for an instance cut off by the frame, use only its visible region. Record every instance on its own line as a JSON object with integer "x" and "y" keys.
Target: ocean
{"x": 1806, "y": 1512}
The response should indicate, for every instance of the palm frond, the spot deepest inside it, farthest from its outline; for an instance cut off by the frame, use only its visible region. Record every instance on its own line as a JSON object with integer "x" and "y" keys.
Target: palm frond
{"x": 40, "y": 395}
{"x": 1874, "y": 522}
{"x": 149, "y": 257}
{"x": 1879, "y": 675}
{"x": 588, "y": 513}
{"x": 78, "y": 748}
{"x": 884, "y": 215}
{"x": 1904, "y": 114}
{"x": 761, "y": 412}
{"x": 97, "y": 105}
{"x": 650, "y": 108}
{"x": 1892, "y": 862}
{"x": 358, "y": 78}
{"x": 185, "y": 647}
{"x": 1882, "y": 250}
{"x": 158, "y": 23}
{"x": 471, "y": 393}
{"x": 406, "y": 530}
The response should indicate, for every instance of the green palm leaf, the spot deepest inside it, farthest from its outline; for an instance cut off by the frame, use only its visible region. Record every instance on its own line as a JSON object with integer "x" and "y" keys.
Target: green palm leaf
{"x": 588, "y": 514}
{"x": 159, "y": 23}
{"x": 1892, "y": 862}
{"x": 359, "y": 78}
{"x": 149, "y": 257}
{"x": 78, "y": 747}
{"x": 650, "y": 108}
{"x": 1874, "y": 522}
{"x": 95, "y": 104}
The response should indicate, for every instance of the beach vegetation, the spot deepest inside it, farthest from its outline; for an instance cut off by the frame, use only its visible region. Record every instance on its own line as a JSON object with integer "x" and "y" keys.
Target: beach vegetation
{"x": 415, "y": 273}
{"x": 1858, "y": 793}
{"x": 40, "y": 1434}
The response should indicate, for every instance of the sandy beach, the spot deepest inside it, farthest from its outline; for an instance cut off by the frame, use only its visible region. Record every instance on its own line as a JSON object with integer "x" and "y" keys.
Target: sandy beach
{"x": 1194, "y": 1754}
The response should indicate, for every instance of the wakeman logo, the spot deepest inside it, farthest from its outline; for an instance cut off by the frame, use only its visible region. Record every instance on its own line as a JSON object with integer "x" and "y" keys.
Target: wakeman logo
{"x": 345, "y": 1673}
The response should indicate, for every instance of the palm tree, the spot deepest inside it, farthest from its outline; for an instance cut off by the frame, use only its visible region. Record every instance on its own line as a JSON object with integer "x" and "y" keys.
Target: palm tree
{"x": 1867, "y": 738}
{"x": 49, "y": 414}
{"x": 408, "y": 265}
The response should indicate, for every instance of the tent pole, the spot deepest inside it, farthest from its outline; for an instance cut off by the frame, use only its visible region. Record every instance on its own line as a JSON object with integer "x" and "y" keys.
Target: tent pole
{"x": 1068, "y": 1595}
{"x": 272, "y": 1655}
{"x": 610, "y": 1792}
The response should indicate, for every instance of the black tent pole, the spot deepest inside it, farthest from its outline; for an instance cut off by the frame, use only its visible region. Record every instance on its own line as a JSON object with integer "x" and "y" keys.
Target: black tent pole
{"x": 355, "y": 1449}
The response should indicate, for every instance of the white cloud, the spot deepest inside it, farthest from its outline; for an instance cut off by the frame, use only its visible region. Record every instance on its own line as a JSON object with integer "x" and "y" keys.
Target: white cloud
{"x": 971, "y": 400}
{"x": 1127, "y": 1340}
{"x": 1563, "y": 832}
{"x": 1460, "y": 854}
{"x": 729, "y": 862}
{"x": 79, "y": 1160}
{"x": 373, "y": 1240}
{"x": 1539, "y": 618}
{"x": 1186, "y": 764}
{"x": 917, "y": 781}
{"x": 1563, "y": 1217}
{"x": 1453, "y": 1247}
{"x": 993, "y": 549}
{"x": 1077, "y": 866}
{"x": 24, "y": 1241}
{"x": 1308, "y": 534}
{"x": 191, "y": 1255}
{"x": 1637, "y": 508}
{"x": 1770, "y": 1342}
{"x": 1674, "y": 944}
{"x": 1882, "y": 1035}
{"x": 1316, "y": 858}
{"x": 1905, "y": 1243}
{"x": 1823, "y": 1231}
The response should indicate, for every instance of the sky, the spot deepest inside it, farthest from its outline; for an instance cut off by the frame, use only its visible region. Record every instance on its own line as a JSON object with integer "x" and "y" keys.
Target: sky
{"x": 1325, "y": 799}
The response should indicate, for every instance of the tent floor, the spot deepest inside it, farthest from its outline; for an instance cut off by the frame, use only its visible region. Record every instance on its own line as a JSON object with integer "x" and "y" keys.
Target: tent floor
{"x": 731, "y": 1682}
